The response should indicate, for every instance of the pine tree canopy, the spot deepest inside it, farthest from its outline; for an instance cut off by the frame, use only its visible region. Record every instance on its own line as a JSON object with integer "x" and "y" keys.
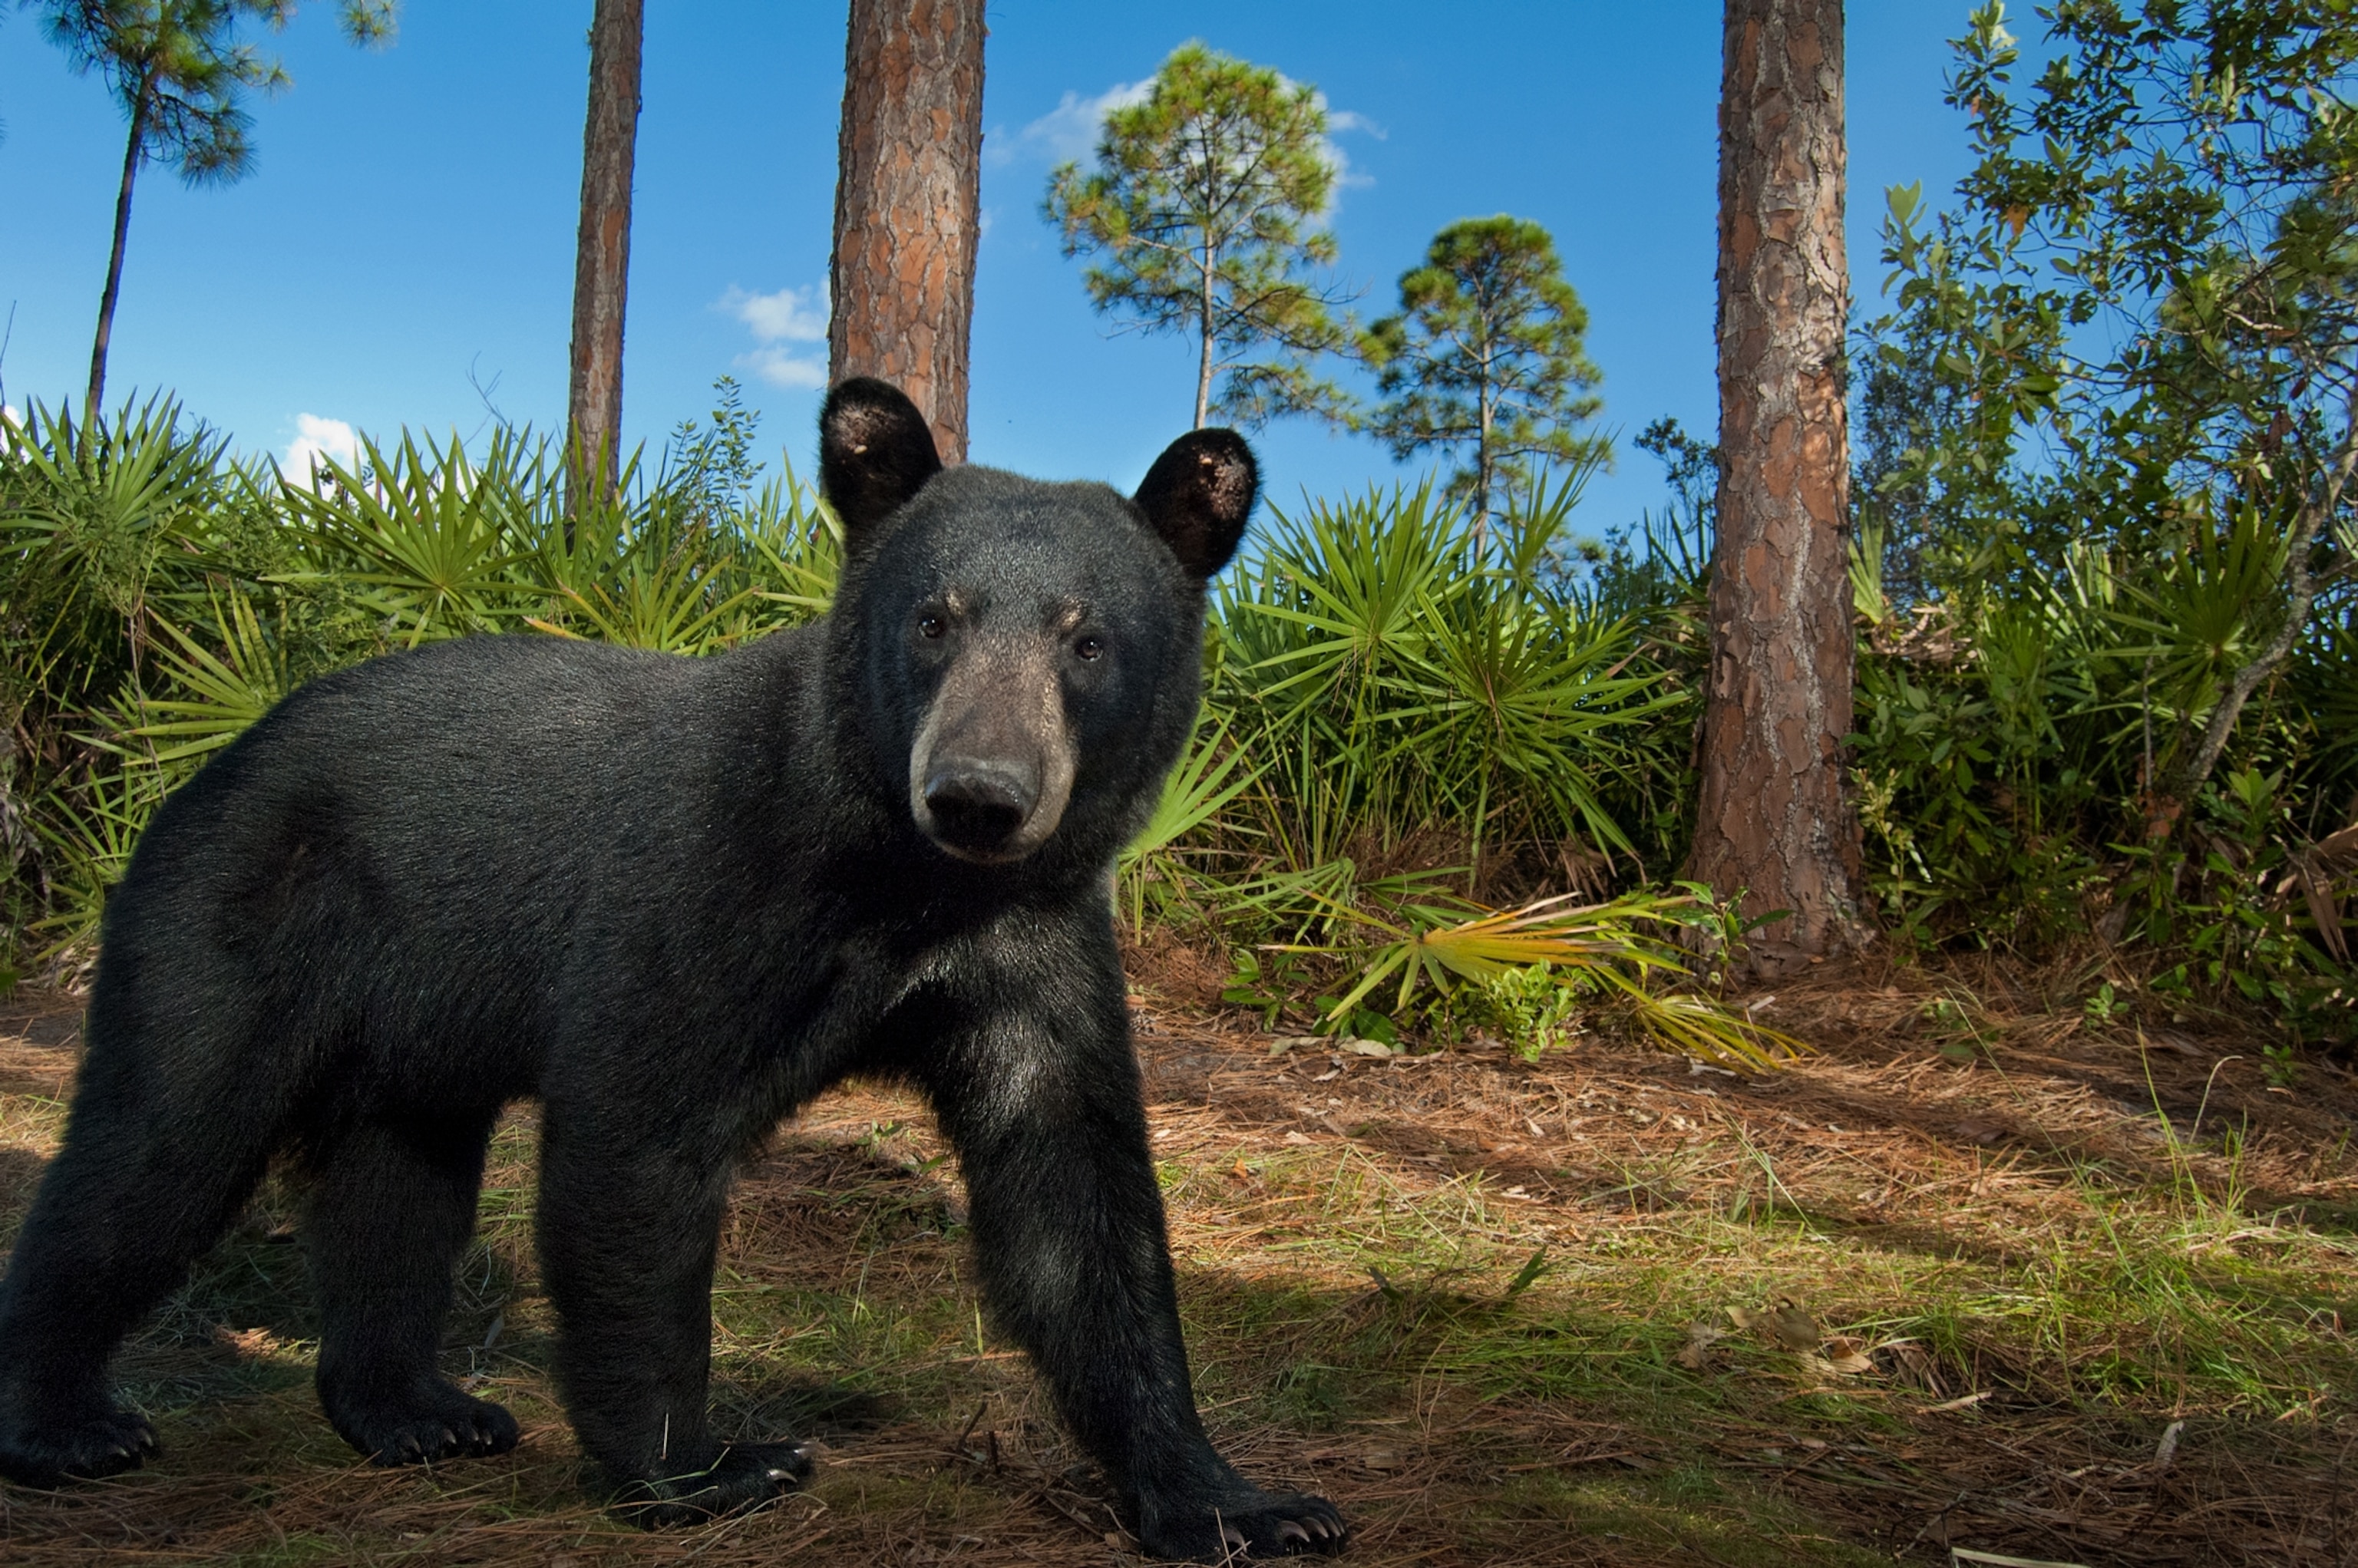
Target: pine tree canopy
{"x": 181, "y": 74}
{"x": 1487, "y": 360}
{"x": 1204, "y": 208}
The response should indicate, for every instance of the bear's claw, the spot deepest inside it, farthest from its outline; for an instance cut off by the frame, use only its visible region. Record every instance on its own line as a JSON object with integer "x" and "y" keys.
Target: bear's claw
{"x": 104, "y": 1443}
{"x": 1264, "y": 1524}
{"x": 745, "y": 1476}
{"x": 435, "y": 1422}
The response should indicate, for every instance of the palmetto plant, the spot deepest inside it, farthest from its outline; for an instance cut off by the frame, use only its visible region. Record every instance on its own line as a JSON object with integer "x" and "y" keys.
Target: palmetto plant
{"x": 87, "y": 516}
{"x": 89, "y": 833}
{"x": 1207, "y": 780}
{"x": 2015, "y": 752}
{"x": 95, "y": 523}
{"x": 1420, "y": 721}
{"x": 211, "y": 688}
{"x": 158, "y": 599}
{"x": 1395, "y": 686}
{"x": 1622, "y": 950}
{"x": 438, "y": 544}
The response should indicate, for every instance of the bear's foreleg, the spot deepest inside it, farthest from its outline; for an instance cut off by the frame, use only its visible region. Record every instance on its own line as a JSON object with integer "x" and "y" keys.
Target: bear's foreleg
{"x": 1044, "y": 1107}
{"x": 630, "y": 1203}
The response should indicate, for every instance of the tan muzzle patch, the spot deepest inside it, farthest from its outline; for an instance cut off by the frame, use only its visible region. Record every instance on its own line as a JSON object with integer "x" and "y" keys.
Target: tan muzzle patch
{"x": 992, "y": 767}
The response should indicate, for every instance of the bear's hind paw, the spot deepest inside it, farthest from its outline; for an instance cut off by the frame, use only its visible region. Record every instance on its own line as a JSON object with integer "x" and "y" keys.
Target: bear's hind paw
{"x": 746, "y": 1476}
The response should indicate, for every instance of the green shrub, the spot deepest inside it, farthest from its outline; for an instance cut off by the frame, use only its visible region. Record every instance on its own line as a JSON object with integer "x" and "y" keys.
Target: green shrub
{"x": 157, "y": 596}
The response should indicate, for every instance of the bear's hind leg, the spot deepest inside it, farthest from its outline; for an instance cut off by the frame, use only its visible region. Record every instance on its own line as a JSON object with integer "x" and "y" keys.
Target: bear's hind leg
{"x": 140, "y": 1190}
{"x": 393, "y": 1212}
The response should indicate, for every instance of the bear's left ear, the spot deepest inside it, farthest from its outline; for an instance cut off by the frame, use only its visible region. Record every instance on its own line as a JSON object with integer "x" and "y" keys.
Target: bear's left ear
{"x": 875, "y": 450}
{"x": 1198, "y": 496}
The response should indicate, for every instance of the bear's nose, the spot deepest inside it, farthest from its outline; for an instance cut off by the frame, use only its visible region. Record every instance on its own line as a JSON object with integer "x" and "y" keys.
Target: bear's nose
{"x": 979, "y": 805}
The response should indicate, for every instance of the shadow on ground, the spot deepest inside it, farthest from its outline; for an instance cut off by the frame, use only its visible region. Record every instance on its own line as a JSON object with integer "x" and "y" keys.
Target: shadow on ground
{"x": 1475, "y": 1300}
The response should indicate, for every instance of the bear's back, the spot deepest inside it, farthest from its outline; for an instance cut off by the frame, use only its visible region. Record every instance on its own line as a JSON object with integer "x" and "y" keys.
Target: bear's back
{"x": 438, "y": 821}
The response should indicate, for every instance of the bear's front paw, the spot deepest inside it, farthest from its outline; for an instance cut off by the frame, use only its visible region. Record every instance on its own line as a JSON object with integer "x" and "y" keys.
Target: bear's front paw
{"x": 433, "y": 1420}
{"x": 1253, "y": 1524}
{"x": 102, "y": 1441}
{"x": 746, "y": 1476}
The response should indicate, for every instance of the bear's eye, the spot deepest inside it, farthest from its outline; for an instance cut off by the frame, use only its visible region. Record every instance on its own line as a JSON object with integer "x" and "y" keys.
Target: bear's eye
{"x": 1090, "y": 647}
{"x": 929, "y": 626}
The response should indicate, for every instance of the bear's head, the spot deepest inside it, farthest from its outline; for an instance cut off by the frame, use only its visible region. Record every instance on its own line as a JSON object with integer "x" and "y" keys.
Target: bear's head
{"x": 1027, "y": 656}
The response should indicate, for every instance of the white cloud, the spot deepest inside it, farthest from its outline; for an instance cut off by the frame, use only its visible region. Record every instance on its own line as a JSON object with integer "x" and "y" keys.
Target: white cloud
{"x": 317, "y": 441}
{"x": 1345, "y": 177}
{"x": 787, "y": 316}
{"x": 791, "y": 315}
{"x": 781, "y": 368}
{"x": 1069, "y": 132}
{"x": 1066, "y": 133}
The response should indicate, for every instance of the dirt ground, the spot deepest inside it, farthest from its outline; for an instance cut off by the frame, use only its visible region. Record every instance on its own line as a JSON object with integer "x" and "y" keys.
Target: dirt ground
{"x": 1986, "y": 1271}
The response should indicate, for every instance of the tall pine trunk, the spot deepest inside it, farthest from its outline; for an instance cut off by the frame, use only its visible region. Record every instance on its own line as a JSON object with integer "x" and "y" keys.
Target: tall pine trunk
{"x": 602, "y": 260}
{"x": 908, "y": 201}
{"x": 1774, "y": 818}
{"x": 1208, "y": 335}
{"x": 131, "y": 156}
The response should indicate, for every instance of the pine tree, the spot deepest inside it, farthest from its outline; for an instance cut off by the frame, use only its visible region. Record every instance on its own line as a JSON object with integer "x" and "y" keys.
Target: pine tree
{"x": 1203, "y": 204}
{"x": 601, "y": 252}
{"x": 1773, "y": 821}
{"x": 182, "y": 77}
{"x": 1487, "y": 359}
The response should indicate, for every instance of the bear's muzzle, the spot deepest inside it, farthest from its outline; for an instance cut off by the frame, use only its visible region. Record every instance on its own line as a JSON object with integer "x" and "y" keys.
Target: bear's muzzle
{"x": 992, "y": 767}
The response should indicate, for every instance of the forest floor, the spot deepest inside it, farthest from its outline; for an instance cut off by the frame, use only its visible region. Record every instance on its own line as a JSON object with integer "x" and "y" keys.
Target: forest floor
{"x": 1983, "y": 1274}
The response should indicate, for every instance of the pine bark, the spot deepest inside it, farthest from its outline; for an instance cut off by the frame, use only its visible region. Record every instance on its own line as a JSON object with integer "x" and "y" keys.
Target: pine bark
{"x": 1775, "y": 818}
{"x": 602, "y": 258}
{"x": 908, "y": 203}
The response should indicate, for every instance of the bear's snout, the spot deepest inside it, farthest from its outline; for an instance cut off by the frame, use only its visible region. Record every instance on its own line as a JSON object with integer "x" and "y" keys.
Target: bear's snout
{"x": 992, "y": 767}
{"x": 979, "y": 804}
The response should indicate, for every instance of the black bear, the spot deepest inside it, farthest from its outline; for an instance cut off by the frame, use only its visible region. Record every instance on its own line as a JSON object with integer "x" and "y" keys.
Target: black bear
{"x": 671, "y": 899}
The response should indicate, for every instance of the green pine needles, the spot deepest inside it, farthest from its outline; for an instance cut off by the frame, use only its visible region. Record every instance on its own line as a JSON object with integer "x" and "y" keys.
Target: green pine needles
{"x": 1205, "y": 208}
{"x": 1487, "y": 359}
{"x": 1203, "y": 215}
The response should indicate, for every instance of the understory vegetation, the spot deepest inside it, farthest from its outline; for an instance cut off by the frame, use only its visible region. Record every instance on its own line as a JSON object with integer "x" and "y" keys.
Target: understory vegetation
{"x": 1441, "y": 783}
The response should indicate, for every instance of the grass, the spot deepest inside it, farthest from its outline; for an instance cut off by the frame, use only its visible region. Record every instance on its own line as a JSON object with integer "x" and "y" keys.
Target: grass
{"x": 1610, "y": 1307}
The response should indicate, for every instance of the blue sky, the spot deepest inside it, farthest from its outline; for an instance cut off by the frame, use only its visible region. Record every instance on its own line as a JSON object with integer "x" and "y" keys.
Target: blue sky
{"x": 404, "y": 251}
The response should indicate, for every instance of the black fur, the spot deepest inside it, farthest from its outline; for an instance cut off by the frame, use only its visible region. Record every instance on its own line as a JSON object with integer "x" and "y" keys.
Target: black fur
{"x": 672, "y": 900}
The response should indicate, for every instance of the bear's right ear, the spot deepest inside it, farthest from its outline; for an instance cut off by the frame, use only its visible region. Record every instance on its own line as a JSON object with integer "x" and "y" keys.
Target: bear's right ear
{"x": 875, "y": 450}
{"x": 1198, "y": 496}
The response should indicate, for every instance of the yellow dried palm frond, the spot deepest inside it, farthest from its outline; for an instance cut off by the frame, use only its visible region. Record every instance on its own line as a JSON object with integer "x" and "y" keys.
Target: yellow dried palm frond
{"x": 1605, "y": 941}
